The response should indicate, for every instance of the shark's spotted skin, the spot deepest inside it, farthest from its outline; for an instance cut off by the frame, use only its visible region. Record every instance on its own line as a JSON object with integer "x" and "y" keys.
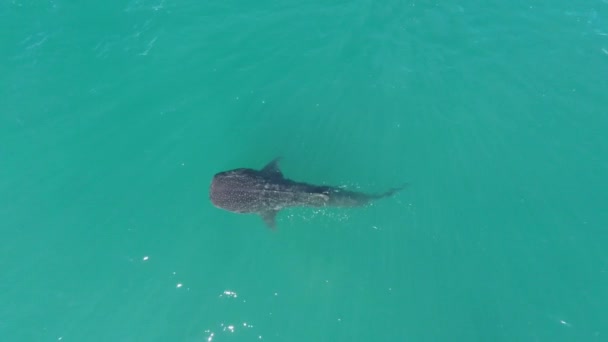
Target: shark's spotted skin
{"x": 266, "y": 191}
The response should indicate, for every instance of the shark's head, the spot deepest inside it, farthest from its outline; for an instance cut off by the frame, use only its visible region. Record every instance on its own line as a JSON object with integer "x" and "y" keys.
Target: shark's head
{"x": 232, "y": 190}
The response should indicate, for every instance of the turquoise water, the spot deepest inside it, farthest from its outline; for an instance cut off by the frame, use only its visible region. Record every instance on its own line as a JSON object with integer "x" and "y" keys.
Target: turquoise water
{"x": 115, "y": 116}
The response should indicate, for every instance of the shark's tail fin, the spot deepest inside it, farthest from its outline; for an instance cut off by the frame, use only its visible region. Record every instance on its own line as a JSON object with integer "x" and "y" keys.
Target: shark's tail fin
{"x": 391, "y": 192}
{"x": 337, "y": 197}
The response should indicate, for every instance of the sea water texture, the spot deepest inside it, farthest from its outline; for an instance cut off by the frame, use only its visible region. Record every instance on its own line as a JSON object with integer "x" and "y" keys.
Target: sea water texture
{"x": 114, "y": 117}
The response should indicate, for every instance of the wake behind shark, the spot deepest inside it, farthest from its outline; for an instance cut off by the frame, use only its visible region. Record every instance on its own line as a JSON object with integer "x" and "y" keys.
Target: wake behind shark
{"x": 265, "y": 192}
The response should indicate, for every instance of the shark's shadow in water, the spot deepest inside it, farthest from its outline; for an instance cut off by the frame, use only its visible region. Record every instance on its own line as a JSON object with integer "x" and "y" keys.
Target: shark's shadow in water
{"x": 266, "y": 191}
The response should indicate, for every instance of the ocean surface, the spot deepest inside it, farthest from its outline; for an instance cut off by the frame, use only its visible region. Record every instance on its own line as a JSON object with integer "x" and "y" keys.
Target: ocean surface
{"x": 115, "y": 115}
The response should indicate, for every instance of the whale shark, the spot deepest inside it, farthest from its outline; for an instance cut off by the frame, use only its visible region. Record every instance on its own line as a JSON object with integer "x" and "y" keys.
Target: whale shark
{"x": 266, "y": 191}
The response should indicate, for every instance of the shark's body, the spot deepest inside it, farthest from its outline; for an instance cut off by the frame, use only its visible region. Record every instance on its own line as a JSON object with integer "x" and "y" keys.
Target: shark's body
{"x": 267, "y": 191}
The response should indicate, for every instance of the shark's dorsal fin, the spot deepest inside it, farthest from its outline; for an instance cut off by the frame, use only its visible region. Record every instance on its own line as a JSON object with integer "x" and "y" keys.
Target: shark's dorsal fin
{"x": 269, "y": 217}
{"x": 272, "y": 168}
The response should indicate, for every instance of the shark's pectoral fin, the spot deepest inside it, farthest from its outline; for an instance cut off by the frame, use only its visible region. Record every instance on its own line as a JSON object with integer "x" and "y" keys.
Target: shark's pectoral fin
{"x": 272, "y": 169}
{"x": 269, "y": 217}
